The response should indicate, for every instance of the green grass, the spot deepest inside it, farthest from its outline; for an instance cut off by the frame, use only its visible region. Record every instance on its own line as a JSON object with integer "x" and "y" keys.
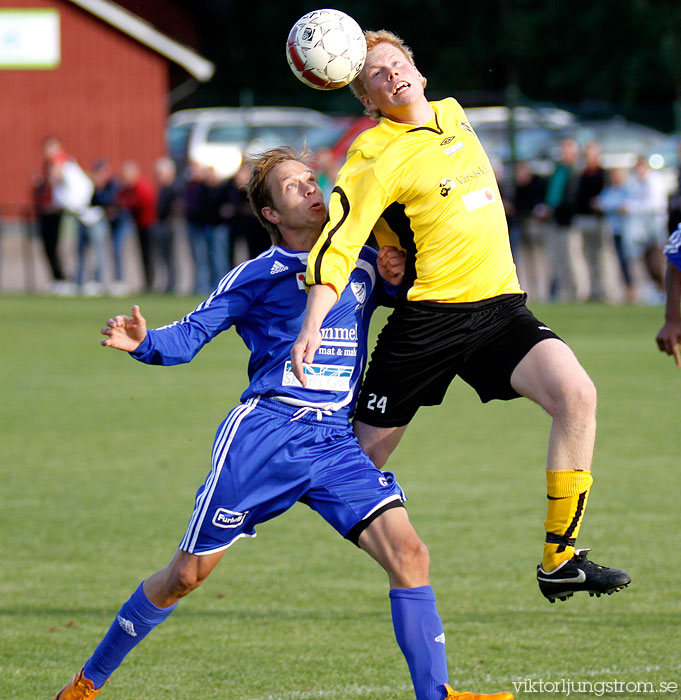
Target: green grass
{"x": 100, "y": 457}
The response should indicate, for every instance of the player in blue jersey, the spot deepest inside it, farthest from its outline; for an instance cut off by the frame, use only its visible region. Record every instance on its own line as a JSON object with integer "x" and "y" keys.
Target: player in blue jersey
{"x": 310, "y": 454}
{"x": 669, "y": 337}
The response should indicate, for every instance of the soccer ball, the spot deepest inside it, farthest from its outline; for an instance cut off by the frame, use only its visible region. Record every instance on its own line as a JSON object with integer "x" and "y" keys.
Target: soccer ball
{"x": 326, "y": 49}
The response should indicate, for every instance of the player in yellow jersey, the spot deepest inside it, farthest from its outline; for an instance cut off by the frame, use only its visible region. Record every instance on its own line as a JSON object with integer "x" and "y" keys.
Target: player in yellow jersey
{"x": 421, "y": 181}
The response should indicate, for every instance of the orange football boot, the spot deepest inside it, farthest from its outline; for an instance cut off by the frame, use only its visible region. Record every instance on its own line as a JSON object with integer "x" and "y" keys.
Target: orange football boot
{"x": 80, "y": 688}
{"x": 453, "y": 695}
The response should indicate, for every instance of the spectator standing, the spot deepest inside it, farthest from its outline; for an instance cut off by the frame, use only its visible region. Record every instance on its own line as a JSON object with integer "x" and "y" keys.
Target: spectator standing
{"x": 215, "y": 207}
{"x": 612, "y": 201}
{"x": 528, "y": 197}
{"x": 162, "y": 231}
{"x": 561, "y": 193}
{"x": 138, "y": 196}
{"x": 107, "y": 189}
{"x": 93, "y": 234}
{"x": 645, "y": 232}
{"x": 245, "y": 229}
{"x": 589, "y": 219}
{"x": 72, "y": 191}
{"x": 196, "y": 230}
{"x": 48, "y": 216}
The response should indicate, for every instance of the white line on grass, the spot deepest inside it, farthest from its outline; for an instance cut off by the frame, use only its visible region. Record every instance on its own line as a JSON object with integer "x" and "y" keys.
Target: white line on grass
{"x": 359, "y": 690}
{"x": 346, "y": 691}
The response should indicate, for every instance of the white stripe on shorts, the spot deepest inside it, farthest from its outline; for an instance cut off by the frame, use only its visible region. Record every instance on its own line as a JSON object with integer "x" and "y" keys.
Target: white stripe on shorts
{"x": 220, "y": 450}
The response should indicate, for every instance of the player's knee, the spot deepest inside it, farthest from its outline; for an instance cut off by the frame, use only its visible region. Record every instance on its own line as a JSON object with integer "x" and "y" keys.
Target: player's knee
{"x": 411, "y": 563}
{"x": 578, "y": 398}
{"x": 184, "y": 580}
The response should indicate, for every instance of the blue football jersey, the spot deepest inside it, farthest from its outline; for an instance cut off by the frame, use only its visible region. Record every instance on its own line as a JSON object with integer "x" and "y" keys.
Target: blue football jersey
{"x": 265, "y": 300}
{"x": 673, "y": 248}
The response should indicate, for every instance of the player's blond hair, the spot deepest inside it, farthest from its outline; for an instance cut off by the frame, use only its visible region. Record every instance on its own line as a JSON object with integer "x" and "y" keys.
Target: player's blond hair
{"x": 258, "y": 188}
{"x": 382, "y": 36}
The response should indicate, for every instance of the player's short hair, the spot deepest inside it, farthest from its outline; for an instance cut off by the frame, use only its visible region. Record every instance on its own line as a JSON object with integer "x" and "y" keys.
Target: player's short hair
{"x": 258, "y": 187}
{"x": 373, "y": 38}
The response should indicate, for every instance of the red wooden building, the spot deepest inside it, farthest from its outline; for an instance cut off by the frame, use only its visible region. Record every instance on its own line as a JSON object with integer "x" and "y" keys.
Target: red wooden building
{"x": 94, "y": 75}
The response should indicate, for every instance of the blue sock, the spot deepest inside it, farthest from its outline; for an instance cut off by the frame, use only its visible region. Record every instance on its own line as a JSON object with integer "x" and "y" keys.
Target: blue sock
{"x": 419, "y": 633}
{"x": 134, "y": 621}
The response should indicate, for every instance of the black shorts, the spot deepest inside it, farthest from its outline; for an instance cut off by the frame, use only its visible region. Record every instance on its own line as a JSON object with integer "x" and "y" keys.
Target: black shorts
{"x": 424, "y": 345}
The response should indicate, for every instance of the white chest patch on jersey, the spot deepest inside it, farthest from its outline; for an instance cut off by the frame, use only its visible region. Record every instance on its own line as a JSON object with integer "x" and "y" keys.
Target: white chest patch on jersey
{"x": 300, "y": 280}
{"x": 320, "y": 377}
{"x": 451, "y": 150}
{"x": 478, "y": 198}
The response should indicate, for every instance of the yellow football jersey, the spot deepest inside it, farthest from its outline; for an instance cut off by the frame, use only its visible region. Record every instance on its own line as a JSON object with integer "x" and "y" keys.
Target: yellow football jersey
{"x": 431, "y": 191}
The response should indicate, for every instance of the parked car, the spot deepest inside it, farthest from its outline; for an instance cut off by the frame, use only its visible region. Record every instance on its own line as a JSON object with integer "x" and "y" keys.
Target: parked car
{"x": 622, "y": 142}
{"x": 536, "y": 132}
{"x": 221, "y": 137}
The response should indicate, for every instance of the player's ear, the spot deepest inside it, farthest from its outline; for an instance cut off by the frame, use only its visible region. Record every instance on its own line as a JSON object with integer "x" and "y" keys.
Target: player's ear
{"x": 366, "y": 101}
{"x": 271, "y": 215}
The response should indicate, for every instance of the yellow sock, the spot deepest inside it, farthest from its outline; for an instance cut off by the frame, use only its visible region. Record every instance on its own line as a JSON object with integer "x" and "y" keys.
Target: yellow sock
{"x": 568, "y": 492}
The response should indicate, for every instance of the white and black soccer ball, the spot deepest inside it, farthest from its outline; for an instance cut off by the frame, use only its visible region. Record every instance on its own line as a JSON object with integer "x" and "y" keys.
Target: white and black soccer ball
{"x": 326, "y": 49}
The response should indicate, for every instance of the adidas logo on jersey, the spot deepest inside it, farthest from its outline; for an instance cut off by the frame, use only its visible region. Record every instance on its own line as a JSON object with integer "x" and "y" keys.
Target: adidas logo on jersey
{"x": 277, "y": 267}
{"x": 440, "y": 638}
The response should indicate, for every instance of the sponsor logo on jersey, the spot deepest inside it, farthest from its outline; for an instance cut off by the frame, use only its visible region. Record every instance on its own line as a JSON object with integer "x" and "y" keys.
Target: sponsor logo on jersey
{"x": 339, "y": 335}
{"x": 445, "y": 186}
{"x": 321, "y": 377}
{"x": 453, "y": 149}
{"x": 478, "y": 198}
{"x": 300, "y": 280}
{"x": 278, "y": 267}
{"x": 359, "y": 289}
{"x": 126, "y": 626}
{"x": 440, "y": 639}
{"x": 472, "y": 175}
{"x": 228, "y": 519}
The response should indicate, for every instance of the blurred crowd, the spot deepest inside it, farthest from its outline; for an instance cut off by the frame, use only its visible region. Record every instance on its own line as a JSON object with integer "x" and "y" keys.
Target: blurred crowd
{"x": 112, "y": 209}
{"x": 562, "y": 226}
{"x": 581, "y": 213}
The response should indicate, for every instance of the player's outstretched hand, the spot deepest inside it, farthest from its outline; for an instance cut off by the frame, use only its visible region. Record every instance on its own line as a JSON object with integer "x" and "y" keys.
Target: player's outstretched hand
{"x": 125, "y": 332}
{"x": 391, "y": 263}
{"x": 320, "y": 299}
{"x": 303, "y": 351}
{"x": 669, "y": 340}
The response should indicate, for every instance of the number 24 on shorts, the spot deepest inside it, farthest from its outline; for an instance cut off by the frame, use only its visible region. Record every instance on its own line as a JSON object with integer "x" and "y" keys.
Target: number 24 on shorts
{"x": 374, "y": 403}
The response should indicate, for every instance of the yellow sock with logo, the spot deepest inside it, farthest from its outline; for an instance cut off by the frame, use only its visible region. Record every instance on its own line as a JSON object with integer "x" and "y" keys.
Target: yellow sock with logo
{"x": 568, "y": 492}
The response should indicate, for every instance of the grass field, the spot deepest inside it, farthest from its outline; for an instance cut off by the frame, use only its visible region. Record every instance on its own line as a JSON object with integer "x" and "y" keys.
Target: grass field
{"x": 100, "y": 457}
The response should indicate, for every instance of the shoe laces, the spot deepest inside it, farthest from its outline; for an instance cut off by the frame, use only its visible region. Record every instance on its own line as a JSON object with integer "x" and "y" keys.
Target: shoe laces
{"x": 580, "y": 557}
{"x": 84, "y": 686}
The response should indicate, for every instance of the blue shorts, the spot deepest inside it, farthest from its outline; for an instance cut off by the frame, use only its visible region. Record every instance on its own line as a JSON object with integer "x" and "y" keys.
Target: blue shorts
{"x": 265, "y": 459}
